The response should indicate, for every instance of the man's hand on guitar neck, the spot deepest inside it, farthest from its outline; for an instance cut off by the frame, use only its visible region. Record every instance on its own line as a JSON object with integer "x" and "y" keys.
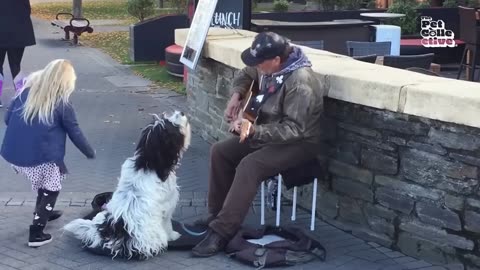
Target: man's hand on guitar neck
{"x": 233, "y": 108}
{"x": 242, "y": 127}
{"x": 246, "y": 130}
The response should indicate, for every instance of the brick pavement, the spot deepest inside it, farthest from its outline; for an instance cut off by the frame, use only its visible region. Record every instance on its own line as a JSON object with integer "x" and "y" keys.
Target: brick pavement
{"x": 112, "y": 115}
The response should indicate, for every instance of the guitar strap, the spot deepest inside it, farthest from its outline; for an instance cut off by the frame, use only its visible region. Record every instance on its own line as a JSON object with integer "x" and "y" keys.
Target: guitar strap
{"x": 268, "y": 87}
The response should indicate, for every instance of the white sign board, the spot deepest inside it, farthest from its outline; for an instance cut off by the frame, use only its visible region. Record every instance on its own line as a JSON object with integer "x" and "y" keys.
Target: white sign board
{"x": 198, "y": 33}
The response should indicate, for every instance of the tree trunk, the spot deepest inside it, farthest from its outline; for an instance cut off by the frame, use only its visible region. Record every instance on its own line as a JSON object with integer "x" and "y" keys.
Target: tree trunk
{"x": 160, "y": 3}
{"x": 77, "y": 9}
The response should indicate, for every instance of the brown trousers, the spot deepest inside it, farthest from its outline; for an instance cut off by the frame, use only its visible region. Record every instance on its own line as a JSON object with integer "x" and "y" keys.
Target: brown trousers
{"x": 236, "y": 171}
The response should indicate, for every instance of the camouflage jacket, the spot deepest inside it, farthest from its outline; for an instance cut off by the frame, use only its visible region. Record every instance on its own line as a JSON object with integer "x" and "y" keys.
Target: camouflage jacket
{"x": 292, "y": 113}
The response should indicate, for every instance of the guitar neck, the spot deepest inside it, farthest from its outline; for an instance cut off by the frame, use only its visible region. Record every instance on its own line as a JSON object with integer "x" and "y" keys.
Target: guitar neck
{"x": 249, "y": 96}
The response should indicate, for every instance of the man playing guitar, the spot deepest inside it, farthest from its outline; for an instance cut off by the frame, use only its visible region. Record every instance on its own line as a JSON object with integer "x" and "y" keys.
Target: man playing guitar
{"x": 281, "y": 130}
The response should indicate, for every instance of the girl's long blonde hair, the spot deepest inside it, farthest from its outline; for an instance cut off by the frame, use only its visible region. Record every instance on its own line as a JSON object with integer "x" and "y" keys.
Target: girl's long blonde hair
{"x": 48, "y": 87}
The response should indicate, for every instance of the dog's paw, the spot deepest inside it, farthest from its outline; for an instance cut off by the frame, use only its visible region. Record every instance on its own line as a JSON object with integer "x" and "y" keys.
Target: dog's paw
{"x": 174, "y": 236}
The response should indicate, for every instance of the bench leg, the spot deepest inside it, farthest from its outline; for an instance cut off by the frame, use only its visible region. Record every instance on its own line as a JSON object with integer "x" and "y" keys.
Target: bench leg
{"x": 75, "y": 39}
{"x": 262, "y": 204}
{"x": 279, "y": 196}
{"x": 314, "y": 204}
{"x": 67, "y": 35}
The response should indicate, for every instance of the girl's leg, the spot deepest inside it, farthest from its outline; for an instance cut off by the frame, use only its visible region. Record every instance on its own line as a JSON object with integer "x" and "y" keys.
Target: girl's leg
{"x": 54, "y": 215}
{"x": 47, "y": 179}
{"x": 45, "y": 208}
{"x": 37, "y": 237}
{"x": 39, "y": 199}
{"x": 45, "y": 200}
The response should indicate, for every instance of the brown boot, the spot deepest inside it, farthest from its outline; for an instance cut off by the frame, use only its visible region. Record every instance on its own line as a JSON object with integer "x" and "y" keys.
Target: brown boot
{"x": 212, "y": 244}
{"x": 204, "y": 221}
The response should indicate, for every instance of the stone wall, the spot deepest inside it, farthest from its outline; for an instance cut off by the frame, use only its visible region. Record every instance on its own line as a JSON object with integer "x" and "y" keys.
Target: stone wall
{"x": 405, "y": 182}
{"x": 208, "y": 91}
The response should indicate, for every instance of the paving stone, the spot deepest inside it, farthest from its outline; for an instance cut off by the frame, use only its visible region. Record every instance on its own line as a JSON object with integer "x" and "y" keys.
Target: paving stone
{"x": 15, "y": 202}
{"x": 16, "y": 254}
{"x": 5, "y": 267}
{"x": 394, "y": 254}
{"x": 372, "y": 255}
{"x": 394, "y": 267}
{"x": 404, "y": 260}
{"x": 434, "y": 268}
{"x": 9, "y": 261}
{"x": 417, "y": 264}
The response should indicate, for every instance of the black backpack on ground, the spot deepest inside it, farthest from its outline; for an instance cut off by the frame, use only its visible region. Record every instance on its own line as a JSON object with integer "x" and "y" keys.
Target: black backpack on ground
{"x": 297, "y": 248}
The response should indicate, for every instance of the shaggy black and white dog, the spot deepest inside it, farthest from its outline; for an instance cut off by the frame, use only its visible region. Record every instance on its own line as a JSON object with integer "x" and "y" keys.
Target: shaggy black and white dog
{"x": 137, "y": 220}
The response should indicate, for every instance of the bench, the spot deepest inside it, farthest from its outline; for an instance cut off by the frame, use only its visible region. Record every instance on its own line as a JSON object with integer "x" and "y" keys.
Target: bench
{"x": 77, "y": 26}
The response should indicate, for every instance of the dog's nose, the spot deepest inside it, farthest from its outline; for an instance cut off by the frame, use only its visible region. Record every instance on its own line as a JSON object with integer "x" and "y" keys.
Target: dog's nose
{"x": 182, "y": 114}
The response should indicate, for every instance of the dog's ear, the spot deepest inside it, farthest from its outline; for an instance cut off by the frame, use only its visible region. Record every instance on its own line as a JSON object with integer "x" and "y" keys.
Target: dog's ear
{"x": 155, "y": 117}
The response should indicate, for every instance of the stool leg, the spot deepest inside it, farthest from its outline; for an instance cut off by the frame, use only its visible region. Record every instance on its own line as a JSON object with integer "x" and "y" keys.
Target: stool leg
{"x": 279, "y": 195}
{"x": 314, "y": 204}
{"x": 262, "y": 204}
{"x": 473, "y": 63}
{"x": 460, "y": 68}
{"x": 294, "y": 204}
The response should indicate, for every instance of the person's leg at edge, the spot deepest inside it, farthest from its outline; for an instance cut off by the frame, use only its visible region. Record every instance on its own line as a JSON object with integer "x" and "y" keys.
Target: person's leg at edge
{"x": 3, "y": 53}
{"x": 15, "y": 56}
{"x": 251, "y": 171}
{"x": 224, "y": 158}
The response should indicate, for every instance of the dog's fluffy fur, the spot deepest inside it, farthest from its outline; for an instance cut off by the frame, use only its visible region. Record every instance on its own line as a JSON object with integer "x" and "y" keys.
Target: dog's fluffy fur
{"x": 137, "y": 220}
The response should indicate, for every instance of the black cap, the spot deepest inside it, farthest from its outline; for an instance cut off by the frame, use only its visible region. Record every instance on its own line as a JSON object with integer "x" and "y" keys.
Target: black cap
{"x": 265, "y": 46}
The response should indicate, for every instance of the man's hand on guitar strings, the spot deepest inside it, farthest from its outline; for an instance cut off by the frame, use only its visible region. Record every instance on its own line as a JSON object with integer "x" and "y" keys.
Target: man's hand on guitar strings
{"x": 233, "y": 108}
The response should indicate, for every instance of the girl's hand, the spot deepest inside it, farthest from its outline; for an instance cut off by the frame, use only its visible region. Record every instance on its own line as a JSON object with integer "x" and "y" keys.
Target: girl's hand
{"x": 94, "y": 155}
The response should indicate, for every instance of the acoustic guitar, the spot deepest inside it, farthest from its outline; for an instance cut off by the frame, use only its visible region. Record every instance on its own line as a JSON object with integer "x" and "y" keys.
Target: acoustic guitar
{"x": 246, "y": 115}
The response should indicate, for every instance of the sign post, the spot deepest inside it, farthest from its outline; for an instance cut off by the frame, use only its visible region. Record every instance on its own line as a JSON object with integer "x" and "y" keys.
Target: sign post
{"x": 232, "y": 14}
{"x": 77, "y": 9}
{"x": 197, "y": 33}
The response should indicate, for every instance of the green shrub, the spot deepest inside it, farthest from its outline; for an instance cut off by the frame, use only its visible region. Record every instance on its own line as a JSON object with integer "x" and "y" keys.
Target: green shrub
{"x": 180, "y": 6}
{"x": 280, "y": 5}
{"x": 424, "y": 4}
{"x": 371, "y": 4}
{"x": 140, "y": 9}
{"x": 408, "y": 23}
{"x": 456, "y": 3}
{"x": 450, "y": 3}
{"x": 327, "y": 4}
{"x": 350, "y": 4}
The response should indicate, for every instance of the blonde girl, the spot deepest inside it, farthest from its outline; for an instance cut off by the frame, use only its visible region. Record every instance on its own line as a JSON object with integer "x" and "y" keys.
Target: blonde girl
{"x": 38, "y": 121}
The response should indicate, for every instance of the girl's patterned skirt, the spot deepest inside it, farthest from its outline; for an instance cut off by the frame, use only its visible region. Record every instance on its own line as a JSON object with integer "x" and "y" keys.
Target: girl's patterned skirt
{"x": 44, "y": 176}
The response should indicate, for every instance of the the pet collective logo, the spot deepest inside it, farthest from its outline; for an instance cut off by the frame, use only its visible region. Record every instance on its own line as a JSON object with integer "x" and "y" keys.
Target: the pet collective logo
{"x": 435, "y": 35}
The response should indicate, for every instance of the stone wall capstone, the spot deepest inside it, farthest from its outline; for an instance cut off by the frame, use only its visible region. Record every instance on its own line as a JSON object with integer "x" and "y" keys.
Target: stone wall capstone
{"x": 405, "y": 182}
